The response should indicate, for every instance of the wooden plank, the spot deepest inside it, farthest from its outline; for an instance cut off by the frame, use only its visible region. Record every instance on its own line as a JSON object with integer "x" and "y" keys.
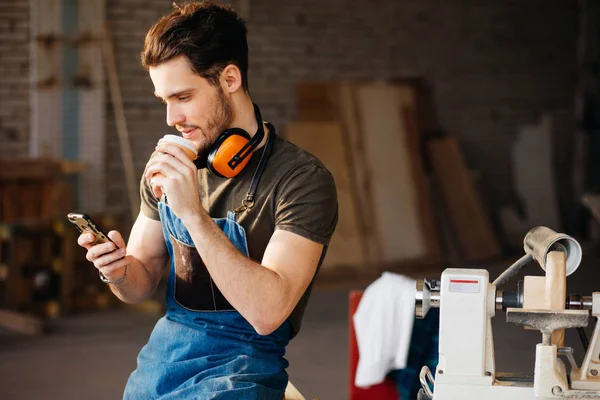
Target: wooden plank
{"x": 426, "y": 116}
{"x": 66, "y": 264}
{"x": 28, "y": 168}
{"x": 18, "y": 168}
{"x": 22, "y": 323}
{"x": 359, "y": 176}
{"x": 316, "y": 101}
{"x": 556, "y": 289}
{"x": 52, "y": 193}
{"x": 30, "y": 200}
{"x": 71, "y": 167}
{"x": 325, "y": 141}
{"x": 10, "y": 201}
{"x": 22, "y": 257}
{"x": 420, "y": 179}
{"x": 474, "y": 233}
{"x": 390, "y": 168}
{"x": 534, "y": 292}
{"x": 13, "y": 254}
{"x": 340, "y": 102}
{"x": 322, "y": 101}
{"x": 4, "y": 264}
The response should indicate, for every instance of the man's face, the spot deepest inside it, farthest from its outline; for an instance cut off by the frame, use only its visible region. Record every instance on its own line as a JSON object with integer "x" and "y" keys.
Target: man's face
{"x": 196, "y": 108}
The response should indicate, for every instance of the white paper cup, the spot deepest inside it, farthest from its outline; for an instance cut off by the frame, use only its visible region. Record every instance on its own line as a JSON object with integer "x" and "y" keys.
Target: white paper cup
{"x": 187, "y": 145}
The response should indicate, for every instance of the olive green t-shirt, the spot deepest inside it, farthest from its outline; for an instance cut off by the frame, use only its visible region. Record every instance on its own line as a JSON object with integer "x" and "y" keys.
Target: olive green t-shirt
{"x": 296, "y": 193}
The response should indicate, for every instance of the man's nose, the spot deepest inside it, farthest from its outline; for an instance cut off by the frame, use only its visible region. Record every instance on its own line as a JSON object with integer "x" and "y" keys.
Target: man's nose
{"x": 174, "y": 115}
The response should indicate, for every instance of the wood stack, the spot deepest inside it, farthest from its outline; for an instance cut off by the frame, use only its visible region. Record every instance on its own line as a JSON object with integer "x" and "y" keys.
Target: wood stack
{"x": 37, "y": 244}
{"x": 35, "y": 189}
{"x": 370, "y": 136}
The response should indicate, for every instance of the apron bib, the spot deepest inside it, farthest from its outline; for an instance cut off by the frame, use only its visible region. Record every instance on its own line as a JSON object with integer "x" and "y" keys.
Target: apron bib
{"x": 203, "y": 348}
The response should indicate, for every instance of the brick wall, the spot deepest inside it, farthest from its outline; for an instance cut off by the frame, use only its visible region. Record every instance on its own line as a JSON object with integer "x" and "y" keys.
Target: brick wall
{"x": 14, "y": 77}
{"x": 493, "y": 66}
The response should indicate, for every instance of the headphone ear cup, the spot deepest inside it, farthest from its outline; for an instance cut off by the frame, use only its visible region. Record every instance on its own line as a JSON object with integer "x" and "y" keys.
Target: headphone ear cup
{"x": 224, "y": 150}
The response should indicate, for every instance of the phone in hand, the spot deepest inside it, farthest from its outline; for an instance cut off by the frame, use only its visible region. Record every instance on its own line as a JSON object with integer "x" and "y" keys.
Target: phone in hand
{"x": 84, "y": 224}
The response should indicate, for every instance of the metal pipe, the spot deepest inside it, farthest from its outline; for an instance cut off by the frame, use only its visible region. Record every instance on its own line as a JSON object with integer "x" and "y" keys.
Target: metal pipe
{"x": 577, "y": 302}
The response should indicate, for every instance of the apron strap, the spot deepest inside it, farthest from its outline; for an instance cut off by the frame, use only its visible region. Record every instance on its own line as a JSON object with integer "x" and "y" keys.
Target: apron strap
{"x": 248, "y": 201}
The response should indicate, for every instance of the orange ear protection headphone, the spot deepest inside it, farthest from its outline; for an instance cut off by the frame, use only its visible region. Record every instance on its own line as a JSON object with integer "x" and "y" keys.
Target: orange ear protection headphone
{"x": 230, "y": 153}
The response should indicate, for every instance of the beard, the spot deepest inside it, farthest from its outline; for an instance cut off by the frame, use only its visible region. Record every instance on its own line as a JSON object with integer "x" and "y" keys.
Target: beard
{"x": 215, "y": 126}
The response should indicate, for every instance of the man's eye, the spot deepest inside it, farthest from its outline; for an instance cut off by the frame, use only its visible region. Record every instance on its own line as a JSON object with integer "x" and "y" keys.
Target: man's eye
{"x": 183, "y": 98}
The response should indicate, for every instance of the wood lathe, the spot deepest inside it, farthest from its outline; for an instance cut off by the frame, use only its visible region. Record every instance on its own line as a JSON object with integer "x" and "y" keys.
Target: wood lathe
{"x": 468, "y": 301}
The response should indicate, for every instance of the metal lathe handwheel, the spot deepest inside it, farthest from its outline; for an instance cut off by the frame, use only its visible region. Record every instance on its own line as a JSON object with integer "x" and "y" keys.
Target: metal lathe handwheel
{"x": 426, "y": 296}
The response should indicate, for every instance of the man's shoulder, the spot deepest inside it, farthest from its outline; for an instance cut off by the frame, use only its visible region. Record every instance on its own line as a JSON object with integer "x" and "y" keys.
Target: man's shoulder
{"x": 305, "y": 193}
{"x": 288, "y": 158}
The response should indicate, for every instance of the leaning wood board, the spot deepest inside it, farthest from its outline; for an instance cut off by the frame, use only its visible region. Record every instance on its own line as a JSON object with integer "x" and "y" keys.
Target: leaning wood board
{"x": 391, "y": 164}
{"x": 336, "y": 102}
{"x": 348, "y": 115}
{"x": 325, "y": 101}
{"x": 409, "y": 114}
{"x": 475, "y": 236}
{"x": 325, "y": 141}
{"x": 317, "y": 101}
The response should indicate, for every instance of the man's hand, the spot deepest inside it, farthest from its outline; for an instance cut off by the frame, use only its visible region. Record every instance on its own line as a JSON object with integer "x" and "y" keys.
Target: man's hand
{"x": 157, "y": 190}
{"x": 108, "y": 257}
{"x": 171, "y": 172}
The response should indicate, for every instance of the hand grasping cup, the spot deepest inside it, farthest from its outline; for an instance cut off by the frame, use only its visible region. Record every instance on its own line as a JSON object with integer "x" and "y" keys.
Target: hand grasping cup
{"x": 186, "y": 145}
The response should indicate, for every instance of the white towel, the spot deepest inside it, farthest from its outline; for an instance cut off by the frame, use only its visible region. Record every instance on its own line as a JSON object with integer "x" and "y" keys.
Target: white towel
{"x": 383, "y": 325}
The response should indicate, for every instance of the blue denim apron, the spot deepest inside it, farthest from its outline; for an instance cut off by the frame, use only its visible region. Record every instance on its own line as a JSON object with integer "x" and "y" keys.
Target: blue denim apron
{"x": 203, "y": 348}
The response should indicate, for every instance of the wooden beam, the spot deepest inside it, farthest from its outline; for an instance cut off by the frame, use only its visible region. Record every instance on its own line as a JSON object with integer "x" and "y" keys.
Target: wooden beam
{"x": 325, "y": 141}
{"x": 471, "y": 225}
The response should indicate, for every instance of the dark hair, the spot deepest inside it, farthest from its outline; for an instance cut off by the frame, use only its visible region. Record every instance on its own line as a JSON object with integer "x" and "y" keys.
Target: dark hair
{"x": 210, "y": 35}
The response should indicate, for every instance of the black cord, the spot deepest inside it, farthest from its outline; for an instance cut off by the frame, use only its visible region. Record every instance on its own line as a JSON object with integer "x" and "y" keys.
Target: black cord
{"x": 512, "y": 270}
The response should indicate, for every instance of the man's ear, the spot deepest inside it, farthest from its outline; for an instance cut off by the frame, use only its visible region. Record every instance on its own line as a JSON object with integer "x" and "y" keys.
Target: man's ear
{"x": 231, "y": 78}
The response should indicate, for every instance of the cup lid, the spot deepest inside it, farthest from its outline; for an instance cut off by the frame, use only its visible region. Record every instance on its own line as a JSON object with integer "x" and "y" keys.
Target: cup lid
{"x": 180, "y": 141}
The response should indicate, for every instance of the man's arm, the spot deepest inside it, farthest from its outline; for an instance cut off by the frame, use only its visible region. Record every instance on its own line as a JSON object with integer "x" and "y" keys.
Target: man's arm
{"x": 265, "y": 294}
{"x": 145, "y": 257}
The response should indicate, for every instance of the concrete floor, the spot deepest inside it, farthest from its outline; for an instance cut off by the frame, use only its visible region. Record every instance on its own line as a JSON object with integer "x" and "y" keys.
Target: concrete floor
{"x": 91, "y": 356}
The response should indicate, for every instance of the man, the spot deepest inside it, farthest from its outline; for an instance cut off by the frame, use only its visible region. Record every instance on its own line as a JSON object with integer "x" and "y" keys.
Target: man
{"x": 244, "y": 251}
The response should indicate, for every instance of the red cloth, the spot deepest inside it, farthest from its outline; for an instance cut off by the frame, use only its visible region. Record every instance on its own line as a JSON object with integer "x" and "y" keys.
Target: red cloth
{"x": 383, "y": 391}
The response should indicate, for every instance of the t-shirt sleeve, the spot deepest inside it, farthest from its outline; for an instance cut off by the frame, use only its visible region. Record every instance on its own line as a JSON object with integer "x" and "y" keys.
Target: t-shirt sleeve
{"x": 149, "y": 201}
{"x": 307, "y": 204}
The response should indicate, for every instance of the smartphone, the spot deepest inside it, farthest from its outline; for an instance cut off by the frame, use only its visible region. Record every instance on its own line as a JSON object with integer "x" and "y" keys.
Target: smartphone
{"x": 84, "y": 224}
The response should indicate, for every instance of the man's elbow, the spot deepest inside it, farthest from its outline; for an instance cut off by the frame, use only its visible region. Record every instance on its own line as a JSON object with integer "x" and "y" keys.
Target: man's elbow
{"x": 265, "y": 330}
{"x": 132, "y": 298}
{"x": 266, "y": 326}
{"x": 268, "y": 316}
